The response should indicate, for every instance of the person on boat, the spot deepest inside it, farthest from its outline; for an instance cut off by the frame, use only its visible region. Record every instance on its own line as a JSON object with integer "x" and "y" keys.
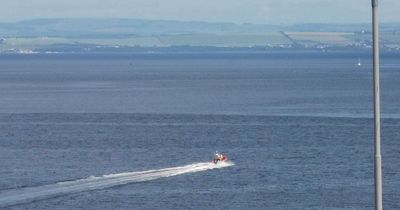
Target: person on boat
{"x": 220, "y": 157}
{"x": 217, "y": 157}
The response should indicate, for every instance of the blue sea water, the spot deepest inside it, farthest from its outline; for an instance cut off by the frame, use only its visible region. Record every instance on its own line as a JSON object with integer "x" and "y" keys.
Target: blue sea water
{"x": 298, "y": 128}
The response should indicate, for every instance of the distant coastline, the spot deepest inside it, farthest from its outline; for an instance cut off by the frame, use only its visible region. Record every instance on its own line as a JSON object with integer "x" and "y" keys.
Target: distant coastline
{"x": 204, "y": 53}
{"x": 52, "y": 36}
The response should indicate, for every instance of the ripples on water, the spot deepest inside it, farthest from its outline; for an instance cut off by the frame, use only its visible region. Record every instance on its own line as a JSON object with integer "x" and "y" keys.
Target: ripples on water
{"x": 299, "y": 131}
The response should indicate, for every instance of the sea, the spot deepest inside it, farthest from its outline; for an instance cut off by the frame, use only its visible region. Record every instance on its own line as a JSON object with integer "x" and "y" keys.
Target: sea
{"x": 139, "y": 131}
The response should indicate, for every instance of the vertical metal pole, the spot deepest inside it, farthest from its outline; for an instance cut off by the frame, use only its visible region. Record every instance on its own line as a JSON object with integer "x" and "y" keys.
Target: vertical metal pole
{"x": 378, "y": 158}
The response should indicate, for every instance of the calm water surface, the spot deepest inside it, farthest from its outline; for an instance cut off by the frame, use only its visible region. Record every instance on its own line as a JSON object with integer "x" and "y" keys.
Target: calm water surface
{"x": 299, "y": 130}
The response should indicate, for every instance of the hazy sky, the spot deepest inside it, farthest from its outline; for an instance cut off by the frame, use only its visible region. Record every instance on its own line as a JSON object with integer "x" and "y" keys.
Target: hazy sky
{"x": 239, "y": 11}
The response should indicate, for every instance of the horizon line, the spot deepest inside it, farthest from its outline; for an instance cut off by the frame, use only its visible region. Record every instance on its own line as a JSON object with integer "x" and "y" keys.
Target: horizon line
{"x": 192, "y": 21}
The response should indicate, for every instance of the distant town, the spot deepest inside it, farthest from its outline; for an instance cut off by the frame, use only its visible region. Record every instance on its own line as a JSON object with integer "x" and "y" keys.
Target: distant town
{"x": 51, "y": 36}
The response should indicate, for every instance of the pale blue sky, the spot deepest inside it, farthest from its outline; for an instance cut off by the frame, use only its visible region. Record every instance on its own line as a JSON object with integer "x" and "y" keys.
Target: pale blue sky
{"x": 239, "y": 11}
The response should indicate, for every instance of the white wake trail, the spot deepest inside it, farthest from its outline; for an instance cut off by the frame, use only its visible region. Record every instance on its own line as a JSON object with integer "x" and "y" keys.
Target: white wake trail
{"x": 29, "y": 194}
